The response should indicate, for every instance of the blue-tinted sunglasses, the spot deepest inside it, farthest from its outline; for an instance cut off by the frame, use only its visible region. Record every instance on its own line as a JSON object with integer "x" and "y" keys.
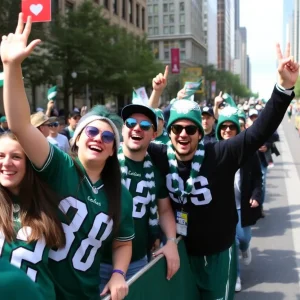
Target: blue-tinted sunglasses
{"x": 106, "y": 136}
{"x": 144, "y": 125}
{"x": 54, "y": 124}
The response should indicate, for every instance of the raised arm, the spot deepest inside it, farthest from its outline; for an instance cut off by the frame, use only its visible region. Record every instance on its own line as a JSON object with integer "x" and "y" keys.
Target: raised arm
{"x": 246, "y": 143}
{"x": 158, "y": 83}
{"x": 14, "y": 50}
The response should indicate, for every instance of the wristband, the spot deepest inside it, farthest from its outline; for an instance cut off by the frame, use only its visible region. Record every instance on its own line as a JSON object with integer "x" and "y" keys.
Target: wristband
{"x": 120, "y": 272}
{"x": 172, "y": 239}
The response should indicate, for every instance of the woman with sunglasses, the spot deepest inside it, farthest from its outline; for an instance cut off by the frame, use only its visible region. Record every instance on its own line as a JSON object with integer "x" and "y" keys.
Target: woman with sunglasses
{"x": 94, "y": 207}
{"x": 56, "y": 138}
{"x": 247, "y": 189}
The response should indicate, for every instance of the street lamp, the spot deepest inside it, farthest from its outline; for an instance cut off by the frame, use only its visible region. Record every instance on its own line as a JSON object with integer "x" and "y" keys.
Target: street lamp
{"x": 74, "y": 76}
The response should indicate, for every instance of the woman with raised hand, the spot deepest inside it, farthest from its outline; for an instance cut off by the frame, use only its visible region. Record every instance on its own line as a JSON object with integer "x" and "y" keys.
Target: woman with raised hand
{"x": 95, "y": 206}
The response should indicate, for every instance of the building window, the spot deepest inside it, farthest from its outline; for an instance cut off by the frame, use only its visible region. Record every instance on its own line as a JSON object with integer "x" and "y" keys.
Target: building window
{"x": 155, "y": 8}
{"x": 171, "y": 7}
{"x": 165, "y": 7}
{"x": 124, "y": 9}
{"x": 181, "y": 29}
{"x": 155, "y": 49}
{"x": 166, "y": 45}
{"x": 155, "y": 20}
{"x": 182, "y": 18}
{"x": 166, "y": 29}
{"x": 69, "y": 7}
{"x": 115, "y": 6}
{"x": 182, "y": 54}
{"x": 155, "y": 30}
{"x": 167, "y": 54}
{"x": 150, "y": 20}
{"x": 143, "y": 18}
{"x": 181, "y": 6}
{"x": 172, "y": 30}
{"x": 171, "y": 19}
{"x": 182, "y": 44}
{"x": 137, "y": 15}
{"x": 130, "y": 14}
{"x": 150, "y": 30}
{"x": 106, "y": 4}
{"x": 150, "y": 9}
{"x": 166, "y": 19}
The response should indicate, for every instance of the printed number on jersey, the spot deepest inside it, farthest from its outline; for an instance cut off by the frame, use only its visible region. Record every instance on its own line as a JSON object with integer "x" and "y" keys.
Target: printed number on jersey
{"x": 199, "y": 196}
{"x": 85, "y": 254}
{"x": 139, "y": 202}
{"x": 21, "y": 254}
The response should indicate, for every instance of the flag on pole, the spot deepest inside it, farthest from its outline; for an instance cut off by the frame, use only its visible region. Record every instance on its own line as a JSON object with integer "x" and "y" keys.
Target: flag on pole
{"x": 52, "y": 92}
{"x": 1, "y": 79}
{"x": 191, "y": 88}
{"x": 139, "y": 96}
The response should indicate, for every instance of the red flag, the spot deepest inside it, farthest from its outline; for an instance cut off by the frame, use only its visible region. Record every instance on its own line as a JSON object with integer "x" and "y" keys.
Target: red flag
{"x": 175, "y": 61}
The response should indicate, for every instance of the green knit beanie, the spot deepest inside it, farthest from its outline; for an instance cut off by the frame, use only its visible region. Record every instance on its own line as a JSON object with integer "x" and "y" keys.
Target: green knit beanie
{"x": 185, "y": 110}
{"x": 228, "y": 114}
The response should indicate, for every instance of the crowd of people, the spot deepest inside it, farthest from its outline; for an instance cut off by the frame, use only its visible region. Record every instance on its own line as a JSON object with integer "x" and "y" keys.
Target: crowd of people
{"x": 84, "y": 207}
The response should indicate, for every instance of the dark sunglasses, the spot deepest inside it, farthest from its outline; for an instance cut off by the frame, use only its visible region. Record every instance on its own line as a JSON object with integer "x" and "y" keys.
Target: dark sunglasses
{"x": 55, "y": 124}
{"x": 190, "y": 129}
{"x": 106, "y": 136}
{"x": 144, "y": 125}
{"x": 231, "y": 127}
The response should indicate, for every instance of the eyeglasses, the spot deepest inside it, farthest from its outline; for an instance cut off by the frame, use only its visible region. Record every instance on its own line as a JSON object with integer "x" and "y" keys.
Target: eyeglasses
{"x": 55, "y": 124}
{"x": 131, "y": 123}
{"x": 106, "y": 136}
{"x": 190, "y": 129}
{"x": 231, "y": 127}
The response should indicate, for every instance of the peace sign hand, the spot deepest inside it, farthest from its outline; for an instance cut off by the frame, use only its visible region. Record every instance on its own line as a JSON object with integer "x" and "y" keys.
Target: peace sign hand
{"x": 288, "y": 69}
{"x": 14, "y": 47}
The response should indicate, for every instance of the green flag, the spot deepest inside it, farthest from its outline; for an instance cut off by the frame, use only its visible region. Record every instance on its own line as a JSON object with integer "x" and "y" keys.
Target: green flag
{"x": 1, "y": 79}
{"x": 229, "y": 101}
{"x": 191, "y": 88}
{"x": 52, "y": 92}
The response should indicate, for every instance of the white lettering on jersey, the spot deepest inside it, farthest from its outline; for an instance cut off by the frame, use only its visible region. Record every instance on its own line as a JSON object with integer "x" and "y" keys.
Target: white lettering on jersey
{"x": 139, "y": 202}
{"x": 195, "y": 193}
{"x": 22, "y": 254}
{"x": 89, "y": 246}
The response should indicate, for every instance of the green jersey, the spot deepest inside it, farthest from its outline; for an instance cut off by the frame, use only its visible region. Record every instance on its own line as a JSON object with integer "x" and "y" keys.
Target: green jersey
{"x": 84, "y": 215}
{"x": 14, "y": 284}
{"x": 162, "y": 139}
{"x": 144, "y": 224}
{"x": 32, "y": 257}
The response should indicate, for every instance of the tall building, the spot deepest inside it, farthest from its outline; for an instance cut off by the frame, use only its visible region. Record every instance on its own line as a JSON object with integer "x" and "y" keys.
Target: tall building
{"x": 210, "y": 26}
{"x": 177, "y": 24}
{"x": 129, "y": 14}
{"x": 225, "y": 34}
{"x": 296, "y": 30}
{"x": 248, "y": 73}
{"x": 288, "y": 7}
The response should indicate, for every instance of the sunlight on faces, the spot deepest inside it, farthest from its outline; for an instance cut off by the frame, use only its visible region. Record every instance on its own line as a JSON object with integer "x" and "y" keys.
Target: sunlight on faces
{"x": 45, "y": 130}
{"x": 12, "y": 164}
{"x": 136, "y": 139}
{"x": 93, "y": 149}
{"x": 207, "y": 122}
{"x": 227, "y": 133}
{"x": 53, "y": 129}
{"x": 184, "y": 144}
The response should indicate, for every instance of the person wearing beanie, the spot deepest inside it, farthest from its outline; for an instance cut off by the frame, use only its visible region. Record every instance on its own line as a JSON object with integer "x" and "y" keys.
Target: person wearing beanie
{"x": 162, "y": 135}
{"x": 3, "y": 124}
{"x": 148, "y": 190}
{"x": 94, "y": 206}
{"x": 200, "y": 180}
{"x": 242, "y": 119}
{"x": 247, "y": 188}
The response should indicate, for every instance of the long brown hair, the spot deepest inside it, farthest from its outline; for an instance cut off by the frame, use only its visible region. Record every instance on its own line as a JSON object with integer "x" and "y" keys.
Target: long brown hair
{"x": 38, "y": 208}
{"x": 111, "y": 177}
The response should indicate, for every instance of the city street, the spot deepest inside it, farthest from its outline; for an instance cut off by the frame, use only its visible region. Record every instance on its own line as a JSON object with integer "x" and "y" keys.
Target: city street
{"x": 275, "y": 268}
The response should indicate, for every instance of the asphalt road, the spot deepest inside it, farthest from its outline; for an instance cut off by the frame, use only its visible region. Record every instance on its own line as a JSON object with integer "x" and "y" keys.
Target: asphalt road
{"x": 275, "y": 268}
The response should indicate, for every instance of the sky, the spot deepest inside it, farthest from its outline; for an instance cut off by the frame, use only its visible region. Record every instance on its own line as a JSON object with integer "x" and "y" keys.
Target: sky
{"x": 263, "y": 20}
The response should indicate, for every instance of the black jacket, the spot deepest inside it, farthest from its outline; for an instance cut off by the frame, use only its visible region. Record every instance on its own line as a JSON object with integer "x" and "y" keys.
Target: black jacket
{"x": 211, "y": 208}
{"x": 211, "y": 137}
{"x": 251, "y": 188}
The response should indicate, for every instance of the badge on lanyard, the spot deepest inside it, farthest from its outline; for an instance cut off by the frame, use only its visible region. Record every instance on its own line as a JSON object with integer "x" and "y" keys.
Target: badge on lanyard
{"x": 181, "y": 222}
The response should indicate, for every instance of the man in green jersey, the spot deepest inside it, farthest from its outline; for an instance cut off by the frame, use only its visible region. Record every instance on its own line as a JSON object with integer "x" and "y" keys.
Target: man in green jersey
{"x": 162, "y": 135}
{"x": 14, "y": 284}
{"x": 148, "y": 190}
